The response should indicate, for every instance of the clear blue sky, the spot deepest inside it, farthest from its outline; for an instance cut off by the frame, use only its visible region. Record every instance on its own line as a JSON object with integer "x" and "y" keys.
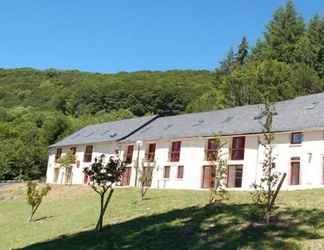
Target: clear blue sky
{"x": 131, "y": 35}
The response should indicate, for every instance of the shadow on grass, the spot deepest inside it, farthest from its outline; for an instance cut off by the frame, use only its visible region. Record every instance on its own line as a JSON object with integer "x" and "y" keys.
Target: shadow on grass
{"x": 43, "y": 218}
{"x": 212, "y": 227}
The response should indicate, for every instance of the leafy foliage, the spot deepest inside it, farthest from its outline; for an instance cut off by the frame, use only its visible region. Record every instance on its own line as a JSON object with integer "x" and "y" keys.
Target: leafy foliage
{"x": 146, "y": 175}
{"x": 35, "y": 195}
{"x": 102, "y": 178}
{"x": 264, "y": 194}
{"x": 218, "y": 193}
{"x": 67, "y": 159}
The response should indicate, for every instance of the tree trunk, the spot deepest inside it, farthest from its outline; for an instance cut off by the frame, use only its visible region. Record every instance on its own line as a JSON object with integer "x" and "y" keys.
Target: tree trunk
{"x": 103, "y": 208}
{"x": 33, "y": 211}
{"x": 99, "y": 223}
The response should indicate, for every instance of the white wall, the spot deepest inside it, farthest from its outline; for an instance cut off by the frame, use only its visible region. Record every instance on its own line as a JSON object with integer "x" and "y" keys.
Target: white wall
{"x": 107, "y": 149}
{"x": 192, "y": 157}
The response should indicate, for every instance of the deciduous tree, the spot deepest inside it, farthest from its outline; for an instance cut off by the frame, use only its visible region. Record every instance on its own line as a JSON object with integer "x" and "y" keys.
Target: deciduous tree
{"x": 35, "y": 195}
{"x": 103, "y": 177}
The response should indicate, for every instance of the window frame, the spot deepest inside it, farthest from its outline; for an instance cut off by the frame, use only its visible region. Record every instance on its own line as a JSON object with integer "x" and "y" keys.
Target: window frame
{"x": 294, "y": 160}
{"x": 211, "y": 153}
{"x": 87, "y": 156}
{"x": 180, "y": 173}
{"x": 150, "y": 155}
{"x": 129, "y": 154}
{"x": 236, "y": 178}
{"x": 238, "y": 149}
{"x": 58, "y": 154}
{"x": 175, "y": 153}
{"x": 166, "y": 172}
{"x": 292, "y": 142}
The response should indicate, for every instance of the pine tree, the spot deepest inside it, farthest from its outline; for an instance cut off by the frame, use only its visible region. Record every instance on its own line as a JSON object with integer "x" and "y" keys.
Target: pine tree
{"x": 283, "y": 33}
{"x": 243, "y": 52}
{"x": 315, "y": 34}
{"x": 227, "y": 65}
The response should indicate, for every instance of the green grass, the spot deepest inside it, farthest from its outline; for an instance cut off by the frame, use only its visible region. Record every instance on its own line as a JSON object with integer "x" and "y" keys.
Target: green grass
{"x": 167, "y": 219}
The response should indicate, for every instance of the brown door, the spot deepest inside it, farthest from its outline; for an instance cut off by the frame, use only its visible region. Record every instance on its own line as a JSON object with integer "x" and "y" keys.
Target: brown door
{"x": 125, "y": 181}
{"x": 208, "y": 177}
{"x": 295, "y": 173}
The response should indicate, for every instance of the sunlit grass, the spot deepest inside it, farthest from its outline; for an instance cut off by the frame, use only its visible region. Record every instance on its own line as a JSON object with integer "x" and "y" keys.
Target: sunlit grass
{"x": 167, "y": 219}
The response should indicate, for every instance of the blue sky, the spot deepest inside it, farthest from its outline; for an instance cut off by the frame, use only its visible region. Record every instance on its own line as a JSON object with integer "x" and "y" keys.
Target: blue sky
{"x": 131, "y": 35}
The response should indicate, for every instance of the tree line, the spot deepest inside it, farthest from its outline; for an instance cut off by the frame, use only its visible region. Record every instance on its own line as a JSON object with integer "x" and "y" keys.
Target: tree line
{"x": 38, "y": 108}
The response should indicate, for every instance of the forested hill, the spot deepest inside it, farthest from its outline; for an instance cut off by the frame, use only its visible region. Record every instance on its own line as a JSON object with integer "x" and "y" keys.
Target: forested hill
{"x": 77, "y": 93}
{"x": 37, "y": 108}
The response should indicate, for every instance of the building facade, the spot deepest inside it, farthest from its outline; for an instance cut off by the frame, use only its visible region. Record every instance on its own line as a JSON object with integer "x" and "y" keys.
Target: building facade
{"x": 179, "y": 150}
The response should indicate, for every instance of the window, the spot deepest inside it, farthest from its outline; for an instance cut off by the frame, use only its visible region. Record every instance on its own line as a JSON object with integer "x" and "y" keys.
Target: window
{"x": 151, "y": 152}
{"x": 296, "y": 138}
{"x": 58, "y": 154}
{"x": 129, "y": 154}
{"x": 73, "y": 150}
{"x": 238, "y": 145}
{"x": 295, "y": 171}
{"x": 234, "y": 176}
{"x": 212, "y": 150}
{"x": 88, "y": 153}
{"x": 175, "y": 151}
{"x": 166, "y": 173}
{"x": 180, "y": 172}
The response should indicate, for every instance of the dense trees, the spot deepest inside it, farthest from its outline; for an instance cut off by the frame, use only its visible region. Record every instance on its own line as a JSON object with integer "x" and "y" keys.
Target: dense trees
{"x": 37, "y": 108}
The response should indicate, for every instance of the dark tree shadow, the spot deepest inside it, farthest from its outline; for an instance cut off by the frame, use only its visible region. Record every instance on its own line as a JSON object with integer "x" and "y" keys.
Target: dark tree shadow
{"x": 224, "y": 226}
{"x": 43, "y": 218}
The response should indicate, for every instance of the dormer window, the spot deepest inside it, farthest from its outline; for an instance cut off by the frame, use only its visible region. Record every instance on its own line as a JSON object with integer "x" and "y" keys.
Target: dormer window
{"x": 296, "y": 138}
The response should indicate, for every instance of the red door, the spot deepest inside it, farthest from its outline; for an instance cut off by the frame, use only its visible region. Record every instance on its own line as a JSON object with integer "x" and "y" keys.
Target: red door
{"x": 208, "y": 180}
{"x": 125, "y": 181}
{"x": 86, "y": 179}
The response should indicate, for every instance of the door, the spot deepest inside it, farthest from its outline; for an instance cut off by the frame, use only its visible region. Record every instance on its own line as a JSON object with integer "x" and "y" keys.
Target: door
{"x": 125, "y": 180}
{"x": 68, "y": 175}
{"x": 295, "y": 173}
{"x": 208, "y": 180}
{"x": 56, "y": 175}
{"x": 86, "y": 179}
{"x": 234, "y": 176}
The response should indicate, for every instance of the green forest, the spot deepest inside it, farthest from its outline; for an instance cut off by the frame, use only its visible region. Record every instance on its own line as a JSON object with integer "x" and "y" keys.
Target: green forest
{"x": 38, "y": 108}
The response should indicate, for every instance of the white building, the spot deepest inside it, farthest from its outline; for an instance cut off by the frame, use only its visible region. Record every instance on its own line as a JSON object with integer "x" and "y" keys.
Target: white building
{"x": 181, "y": 146}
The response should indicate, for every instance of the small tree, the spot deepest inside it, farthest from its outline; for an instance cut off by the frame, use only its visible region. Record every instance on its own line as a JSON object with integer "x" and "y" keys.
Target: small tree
{"x": 146, "y": 175}
{"x": 102, "y": 178}
{"x": 66, "y": 161}
{"x": 266, "y": 191}
{"x": 218, "y": 192}
{"x": 35, "y": 196}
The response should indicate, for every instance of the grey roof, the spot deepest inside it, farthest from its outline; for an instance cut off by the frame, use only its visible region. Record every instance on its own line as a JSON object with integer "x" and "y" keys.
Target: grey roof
{"x": 301, "y": 113}
{"x": 105, "y": 132}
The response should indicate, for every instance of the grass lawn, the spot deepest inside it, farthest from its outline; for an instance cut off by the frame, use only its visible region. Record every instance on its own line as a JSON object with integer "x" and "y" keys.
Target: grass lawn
{"x": 167, "y": 219}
